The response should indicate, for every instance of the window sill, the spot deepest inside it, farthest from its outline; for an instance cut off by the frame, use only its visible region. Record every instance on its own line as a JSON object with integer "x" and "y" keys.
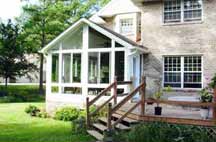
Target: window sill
{"x": 127, "y": 34}
{"x": 182, "y": 23}
{"x": 185, "y": 90}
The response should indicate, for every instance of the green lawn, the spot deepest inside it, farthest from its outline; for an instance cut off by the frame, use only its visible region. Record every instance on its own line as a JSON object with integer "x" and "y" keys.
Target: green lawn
{"x": 16, "y": 126}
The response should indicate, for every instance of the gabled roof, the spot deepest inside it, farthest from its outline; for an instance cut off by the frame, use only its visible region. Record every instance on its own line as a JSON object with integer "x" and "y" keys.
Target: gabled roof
{"x": 105, "y": 31}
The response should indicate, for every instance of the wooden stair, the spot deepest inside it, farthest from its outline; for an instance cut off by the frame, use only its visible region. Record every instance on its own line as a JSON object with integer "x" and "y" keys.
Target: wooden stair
{"x": 100, "y": 127}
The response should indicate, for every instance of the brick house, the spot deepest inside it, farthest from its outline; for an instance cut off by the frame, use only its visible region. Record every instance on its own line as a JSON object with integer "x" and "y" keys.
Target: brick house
{"x": 171, "y": 42}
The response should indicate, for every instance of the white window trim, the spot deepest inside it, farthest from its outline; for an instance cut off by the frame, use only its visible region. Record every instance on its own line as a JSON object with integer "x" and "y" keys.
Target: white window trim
{"x": 182, "y": 16}
{"x": 182, "y": 72}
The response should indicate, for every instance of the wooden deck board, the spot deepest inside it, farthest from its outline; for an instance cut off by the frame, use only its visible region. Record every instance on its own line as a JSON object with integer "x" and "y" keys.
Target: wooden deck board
{"x": 179, "y": 115}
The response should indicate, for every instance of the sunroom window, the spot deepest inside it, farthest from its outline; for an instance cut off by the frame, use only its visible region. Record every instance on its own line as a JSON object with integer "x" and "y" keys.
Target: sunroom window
{"x": 99, "y": 67}
{"x": 183, "y": 71}
{"x": 71, "y": 70}
{"x": 98, "y": 40}
{"x": 73, "y": 40}
{"x": 182, "y": 10}
{"x": 55, "y": 68}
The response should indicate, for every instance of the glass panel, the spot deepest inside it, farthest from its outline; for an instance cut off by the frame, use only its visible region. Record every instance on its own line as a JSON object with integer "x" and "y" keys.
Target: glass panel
{"x": 193, "y": 72}
{"x": 55, "y": 68}
{"x": 105, "y": 68}
{"x": 126, "y": 26}
{"x": 192, "y": 10}
{"x": 54, "y": 48}
{"x": 172, "y": 11}
{"x": 172, "y": 78}
{"x": 76, "y": 67}
{"x": 74, "y": 40}
{"x": 193, "y": 63}
{"x": 172, "y": 64}
{"x": 119, "y": 65}
{"x": 96, "y": 91}
{"x": 72, "y": 90}
{"x": 98, "y": 40}
{"x": 172, "y": 71}
{"x": 118, "y": 45}
{"x": 66, "y": 68}
{"x": 93, "y": 67}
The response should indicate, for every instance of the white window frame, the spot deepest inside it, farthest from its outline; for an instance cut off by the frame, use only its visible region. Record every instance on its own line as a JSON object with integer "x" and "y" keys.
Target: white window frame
{"x": 183, "y": 20}
{"x": 127, "y": 16}
{"x": 182, "y": 71}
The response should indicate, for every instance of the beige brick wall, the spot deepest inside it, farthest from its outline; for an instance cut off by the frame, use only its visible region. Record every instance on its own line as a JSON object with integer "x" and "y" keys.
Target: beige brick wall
{"x": 181, "y": 39}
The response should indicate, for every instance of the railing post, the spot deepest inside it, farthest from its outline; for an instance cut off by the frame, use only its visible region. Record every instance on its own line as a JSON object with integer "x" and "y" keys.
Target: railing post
{"x": 142, "y": 93}
{"x": 109, "y": 117}
{"x": 214, "y": 109}
{"x": 87, "y": 113}
{"x": 115, "y": 90}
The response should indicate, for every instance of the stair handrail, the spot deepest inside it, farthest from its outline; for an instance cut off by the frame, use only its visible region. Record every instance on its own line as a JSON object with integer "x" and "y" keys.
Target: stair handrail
{"x": 102, "y": 93}
{"x": 111, "y": 110}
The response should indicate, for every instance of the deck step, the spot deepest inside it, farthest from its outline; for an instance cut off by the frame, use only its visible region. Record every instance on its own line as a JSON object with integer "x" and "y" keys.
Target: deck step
{"x": 119, "y": 126}
{"x": 95, "y": 134}
{"x": 126, "y": 119}
{"x": 100, "y": 127}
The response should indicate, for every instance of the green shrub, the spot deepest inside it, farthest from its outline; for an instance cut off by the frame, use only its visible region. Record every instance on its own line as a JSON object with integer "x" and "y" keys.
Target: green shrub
{"x": 32, "y": 110}
{"x": 42, "y": 114}
{"x": 23, "y": 93}
{"x": 79, "y": 126}
{"x": 163, "y": 132}
{"x": 67, "y": 114}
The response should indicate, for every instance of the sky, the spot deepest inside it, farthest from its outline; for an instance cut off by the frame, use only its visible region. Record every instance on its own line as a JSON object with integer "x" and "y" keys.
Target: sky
{"x": 9, "y": 9}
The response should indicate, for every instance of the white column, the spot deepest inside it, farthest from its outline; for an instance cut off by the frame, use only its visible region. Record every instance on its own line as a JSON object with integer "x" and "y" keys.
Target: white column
{"x": 127, "y": 67}
{"x": 84, "y": 72}
{"x": 60, "y": 69}
{"x": 49, "y": 74}
{"x": 113, "y": 61}
{"x": 112, "y": 64}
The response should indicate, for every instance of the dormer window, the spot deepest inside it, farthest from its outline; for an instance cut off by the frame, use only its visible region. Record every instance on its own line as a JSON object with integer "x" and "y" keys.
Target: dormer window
{"x": 182, "y": 10}
{"x": 126, "y": 26}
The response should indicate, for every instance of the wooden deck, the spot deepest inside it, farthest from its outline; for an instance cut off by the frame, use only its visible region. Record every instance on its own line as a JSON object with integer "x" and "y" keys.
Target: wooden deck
{"x": 167, "y": 111}
{"x": 172, "y": 114}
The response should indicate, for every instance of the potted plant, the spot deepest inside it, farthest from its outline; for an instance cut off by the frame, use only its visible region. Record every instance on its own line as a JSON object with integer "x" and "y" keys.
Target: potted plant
{"x": 158, "y": 108}
{"x": 205, "y": 97}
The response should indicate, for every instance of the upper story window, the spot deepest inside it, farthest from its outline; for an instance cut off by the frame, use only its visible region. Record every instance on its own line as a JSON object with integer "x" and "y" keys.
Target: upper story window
{"x": 126, "y": 26}
{"x": 182, "y": 10}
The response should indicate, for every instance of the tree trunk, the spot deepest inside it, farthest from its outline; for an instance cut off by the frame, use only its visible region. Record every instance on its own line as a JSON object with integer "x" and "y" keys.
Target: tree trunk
{"x": 6, "y": 82}
{"x": 41, "y": 91}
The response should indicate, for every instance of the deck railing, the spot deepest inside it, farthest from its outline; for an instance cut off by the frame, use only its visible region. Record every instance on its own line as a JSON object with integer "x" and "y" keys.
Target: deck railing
{"x": 114, "y": 107}
{"x": 89, "y": 103}
{"x": 112, "y": 110}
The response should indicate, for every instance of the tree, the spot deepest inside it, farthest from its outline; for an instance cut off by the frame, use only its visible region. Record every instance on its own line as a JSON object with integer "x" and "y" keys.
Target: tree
{"x": 13, "y": 62}
{"x": 48, "y": 18}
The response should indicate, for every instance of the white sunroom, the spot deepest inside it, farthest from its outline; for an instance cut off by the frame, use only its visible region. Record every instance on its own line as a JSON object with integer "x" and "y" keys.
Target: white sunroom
{"x": 85, "y": 59}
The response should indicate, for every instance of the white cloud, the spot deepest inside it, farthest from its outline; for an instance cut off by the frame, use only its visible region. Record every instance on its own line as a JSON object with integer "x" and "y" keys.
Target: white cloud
{"x": 9, "y": 9}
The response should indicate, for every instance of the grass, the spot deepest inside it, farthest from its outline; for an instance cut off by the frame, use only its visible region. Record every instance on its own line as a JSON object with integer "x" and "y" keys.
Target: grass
{"x": 17, "y": 126}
